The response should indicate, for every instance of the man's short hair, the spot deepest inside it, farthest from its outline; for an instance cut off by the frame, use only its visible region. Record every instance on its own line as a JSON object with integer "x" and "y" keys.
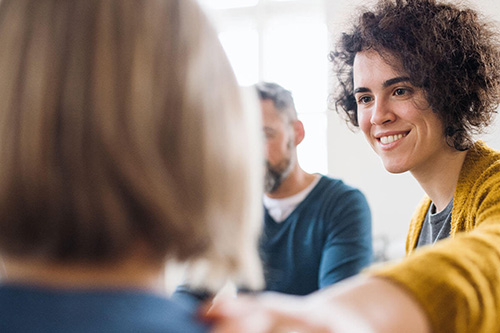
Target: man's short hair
{"x": 281, "y": 97}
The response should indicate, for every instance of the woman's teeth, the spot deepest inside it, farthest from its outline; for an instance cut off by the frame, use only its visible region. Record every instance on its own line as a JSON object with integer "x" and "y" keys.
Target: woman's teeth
{"x": 391, "y": 138}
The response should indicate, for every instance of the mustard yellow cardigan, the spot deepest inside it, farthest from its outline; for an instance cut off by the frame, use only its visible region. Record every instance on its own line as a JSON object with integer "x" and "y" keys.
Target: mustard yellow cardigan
{"x": 457, "y": 281}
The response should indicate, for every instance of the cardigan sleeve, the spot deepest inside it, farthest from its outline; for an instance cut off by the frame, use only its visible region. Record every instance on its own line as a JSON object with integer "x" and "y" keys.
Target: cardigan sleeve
{"x": 457, "y": 281}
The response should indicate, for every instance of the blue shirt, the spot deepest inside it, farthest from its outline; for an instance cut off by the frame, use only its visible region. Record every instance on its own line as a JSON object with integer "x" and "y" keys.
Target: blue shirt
{"x": 327, "y": 238}
{"x": 27, "y": 309}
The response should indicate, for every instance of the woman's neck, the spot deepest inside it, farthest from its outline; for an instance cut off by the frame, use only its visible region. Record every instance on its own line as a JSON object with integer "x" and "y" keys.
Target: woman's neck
{"x": 128, "y": 274}
{"x": 439, "y": 179}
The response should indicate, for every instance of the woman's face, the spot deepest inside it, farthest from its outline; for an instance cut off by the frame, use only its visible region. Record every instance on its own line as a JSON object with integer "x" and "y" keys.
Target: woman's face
{"x": 395, "y": 116}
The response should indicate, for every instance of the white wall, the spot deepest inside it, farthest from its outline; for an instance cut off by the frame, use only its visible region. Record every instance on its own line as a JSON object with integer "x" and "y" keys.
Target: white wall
{"x": 391, "y": 197}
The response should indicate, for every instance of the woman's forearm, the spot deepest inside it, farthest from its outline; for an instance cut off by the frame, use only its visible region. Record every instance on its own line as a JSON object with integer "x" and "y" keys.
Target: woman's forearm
{"x": 360, "y": 304}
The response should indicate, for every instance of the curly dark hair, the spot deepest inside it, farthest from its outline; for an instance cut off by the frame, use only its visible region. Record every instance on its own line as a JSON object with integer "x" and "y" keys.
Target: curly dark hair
{"x": 448, "y": 51}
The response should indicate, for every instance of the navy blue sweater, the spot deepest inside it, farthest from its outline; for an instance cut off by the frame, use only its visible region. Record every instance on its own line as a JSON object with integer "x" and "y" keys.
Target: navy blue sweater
{"x": 28, "y": 309}
{"x": 326, "y": 238}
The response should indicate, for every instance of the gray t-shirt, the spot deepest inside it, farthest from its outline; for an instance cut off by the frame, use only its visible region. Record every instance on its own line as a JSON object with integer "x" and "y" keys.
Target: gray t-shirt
{"x": 436, "y": 226}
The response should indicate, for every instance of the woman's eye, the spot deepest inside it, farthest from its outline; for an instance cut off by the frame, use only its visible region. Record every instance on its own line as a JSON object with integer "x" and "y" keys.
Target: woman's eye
{"x": 400, "y": 91}
{"x": 364, "y": 99}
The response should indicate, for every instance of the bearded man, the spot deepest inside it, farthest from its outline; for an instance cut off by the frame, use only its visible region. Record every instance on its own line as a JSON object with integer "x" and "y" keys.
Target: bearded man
{"x": 317, "y": 230}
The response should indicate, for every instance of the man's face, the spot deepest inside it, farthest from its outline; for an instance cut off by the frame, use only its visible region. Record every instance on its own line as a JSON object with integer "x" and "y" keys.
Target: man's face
{"x": 279, "y": 146}
{"x": 395, "y": 117}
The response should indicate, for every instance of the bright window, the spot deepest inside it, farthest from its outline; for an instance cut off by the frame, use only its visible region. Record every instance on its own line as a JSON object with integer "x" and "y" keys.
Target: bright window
{"x": 225, "y": 4}
{"x": 283, "y": 41}
{"x": 242, "y": 48}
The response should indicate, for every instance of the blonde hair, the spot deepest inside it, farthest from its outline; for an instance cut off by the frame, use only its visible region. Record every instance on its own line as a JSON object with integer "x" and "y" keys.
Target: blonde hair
{"x": 121, "y": 121}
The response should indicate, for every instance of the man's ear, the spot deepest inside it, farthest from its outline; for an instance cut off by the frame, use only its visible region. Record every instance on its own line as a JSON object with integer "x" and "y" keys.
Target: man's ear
{"x": 298, "y": 130}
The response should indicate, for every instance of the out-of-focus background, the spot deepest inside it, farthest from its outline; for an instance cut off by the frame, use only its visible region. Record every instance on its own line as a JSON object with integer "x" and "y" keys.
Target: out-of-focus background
{"x": 288, "y": 41}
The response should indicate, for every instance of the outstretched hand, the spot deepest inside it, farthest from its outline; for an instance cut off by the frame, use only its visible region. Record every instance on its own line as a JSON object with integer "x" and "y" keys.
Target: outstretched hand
{"x": 268, "y": 312}
{"x": 359, "y": 304}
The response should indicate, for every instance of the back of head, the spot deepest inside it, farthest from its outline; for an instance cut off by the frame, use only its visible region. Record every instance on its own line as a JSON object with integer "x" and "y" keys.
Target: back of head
{"x": 448, "y": 50}
{"x": 281, "y": 97}
{"x": 121, "y": 123}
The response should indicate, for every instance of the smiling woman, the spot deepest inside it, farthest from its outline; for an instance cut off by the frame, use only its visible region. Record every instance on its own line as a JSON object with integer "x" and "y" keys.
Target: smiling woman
{"x": 397, "y": 120}
{"x": 435, "y": 59}
{"x": 420, "y": 78}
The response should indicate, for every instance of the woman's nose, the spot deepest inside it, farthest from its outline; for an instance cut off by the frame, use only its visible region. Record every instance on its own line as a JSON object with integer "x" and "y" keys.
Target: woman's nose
{"x": 382, "y": 113}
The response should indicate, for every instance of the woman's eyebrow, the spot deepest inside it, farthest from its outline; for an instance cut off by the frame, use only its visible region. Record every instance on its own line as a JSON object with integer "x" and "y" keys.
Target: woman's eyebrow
{"x": 386, "y": 84}
{"x": 360, "y": 90}
{"x": 395, "y": 80}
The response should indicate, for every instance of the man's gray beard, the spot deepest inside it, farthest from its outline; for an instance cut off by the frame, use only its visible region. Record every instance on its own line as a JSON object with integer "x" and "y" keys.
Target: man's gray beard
{"x": 274, "y": 178}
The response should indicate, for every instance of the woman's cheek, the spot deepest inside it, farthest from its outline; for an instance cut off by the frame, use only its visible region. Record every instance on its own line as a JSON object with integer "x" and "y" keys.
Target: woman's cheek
{"x": 364, "y": 122}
